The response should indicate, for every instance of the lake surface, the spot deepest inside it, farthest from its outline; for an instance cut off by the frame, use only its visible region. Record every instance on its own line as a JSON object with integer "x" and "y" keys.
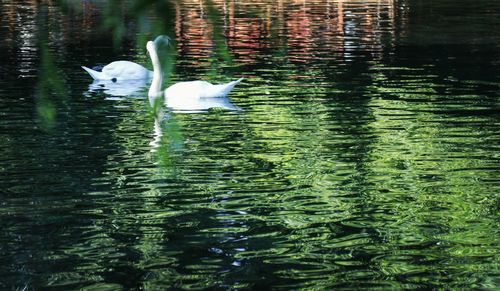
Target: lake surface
{"x": 366, "y": 154}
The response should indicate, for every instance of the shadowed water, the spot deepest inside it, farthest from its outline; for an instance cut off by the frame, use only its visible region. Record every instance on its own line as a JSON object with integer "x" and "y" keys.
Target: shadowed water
{"x": 365, "y": 154}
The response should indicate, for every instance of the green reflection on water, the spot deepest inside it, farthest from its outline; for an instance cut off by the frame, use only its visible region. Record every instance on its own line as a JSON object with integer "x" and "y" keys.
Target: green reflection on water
{"x": 222, "y": 54}
{"x": 51, "y": 89}
{"x": 50, "y": 85}
{"x": 310, "y": 187}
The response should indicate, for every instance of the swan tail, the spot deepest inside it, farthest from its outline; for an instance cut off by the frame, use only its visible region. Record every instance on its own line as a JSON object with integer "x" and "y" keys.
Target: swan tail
{"x": 226, "y": 88}
{"x": 94, "y": 74}
{"x": 234, "y": 83}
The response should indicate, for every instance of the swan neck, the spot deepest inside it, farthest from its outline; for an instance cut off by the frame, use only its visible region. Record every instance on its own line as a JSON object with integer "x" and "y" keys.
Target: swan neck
{"x": 155, "y": 88}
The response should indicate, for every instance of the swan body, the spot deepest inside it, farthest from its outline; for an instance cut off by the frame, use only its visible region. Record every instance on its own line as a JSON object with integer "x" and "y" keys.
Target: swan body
{"x": 119, "y": 71}
{"x": 199, "y": 89}
{"x": 191, "y": 95}
{"x": 199, "y": 95}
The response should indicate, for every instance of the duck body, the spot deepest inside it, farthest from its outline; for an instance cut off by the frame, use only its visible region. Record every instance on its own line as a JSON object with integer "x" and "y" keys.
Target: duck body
{"x": 119, "y": 71}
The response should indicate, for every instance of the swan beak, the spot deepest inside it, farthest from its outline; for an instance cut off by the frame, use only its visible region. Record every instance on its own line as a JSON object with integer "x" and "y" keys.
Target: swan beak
{"x": 167, "y": 40}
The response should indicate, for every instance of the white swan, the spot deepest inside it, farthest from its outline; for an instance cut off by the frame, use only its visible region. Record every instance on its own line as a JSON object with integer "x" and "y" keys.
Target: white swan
{"x": 125, "y": 70}
{"x": 119, "y": 71}
{"x": 192, "y": 95}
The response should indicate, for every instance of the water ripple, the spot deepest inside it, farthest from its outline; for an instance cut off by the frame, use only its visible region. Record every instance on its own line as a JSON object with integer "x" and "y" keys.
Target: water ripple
{"x": 365, "y": 156}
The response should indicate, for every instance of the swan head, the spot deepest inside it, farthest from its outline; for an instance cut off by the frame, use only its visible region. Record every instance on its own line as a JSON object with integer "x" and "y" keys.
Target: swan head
{"x": 162, "y": 39}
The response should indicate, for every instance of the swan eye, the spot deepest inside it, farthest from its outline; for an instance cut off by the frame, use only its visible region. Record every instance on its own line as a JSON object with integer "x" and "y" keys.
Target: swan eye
{"x": 113, "y": 80}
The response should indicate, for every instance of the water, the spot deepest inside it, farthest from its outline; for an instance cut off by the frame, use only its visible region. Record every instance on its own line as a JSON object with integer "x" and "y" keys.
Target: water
{"x": 366, "y": 154}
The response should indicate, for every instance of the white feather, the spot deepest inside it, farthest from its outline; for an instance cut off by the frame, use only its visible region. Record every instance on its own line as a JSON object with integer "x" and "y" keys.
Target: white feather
{"x": 119, "y": 71}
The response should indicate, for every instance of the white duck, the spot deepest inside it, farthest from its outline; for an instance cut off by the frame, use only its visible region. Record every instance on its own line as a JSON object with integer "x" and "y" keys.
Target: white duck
{"x": 192, "y": 95}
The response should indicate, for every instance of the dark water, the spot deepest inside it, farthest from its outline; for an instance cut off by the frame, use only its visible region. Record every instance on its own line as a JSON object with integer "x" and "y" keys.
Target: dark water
{"x": 366, "y": 154}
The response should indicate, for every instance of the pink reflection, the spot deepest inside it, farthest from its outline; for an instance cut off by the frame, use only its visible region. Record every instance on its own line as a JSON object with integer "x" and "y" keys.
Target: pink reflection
{"x": 301, "y": 29}
{"x": 323, "y": 29}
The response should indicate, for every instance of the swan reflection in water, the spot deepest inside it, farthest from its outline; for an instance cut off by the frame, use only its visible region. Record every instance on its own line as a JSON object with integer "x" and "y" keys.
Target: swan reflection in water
{"x": 162, "y": 118}
{"x": 202, "y": 105}
{"x": 125, "y": 88}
